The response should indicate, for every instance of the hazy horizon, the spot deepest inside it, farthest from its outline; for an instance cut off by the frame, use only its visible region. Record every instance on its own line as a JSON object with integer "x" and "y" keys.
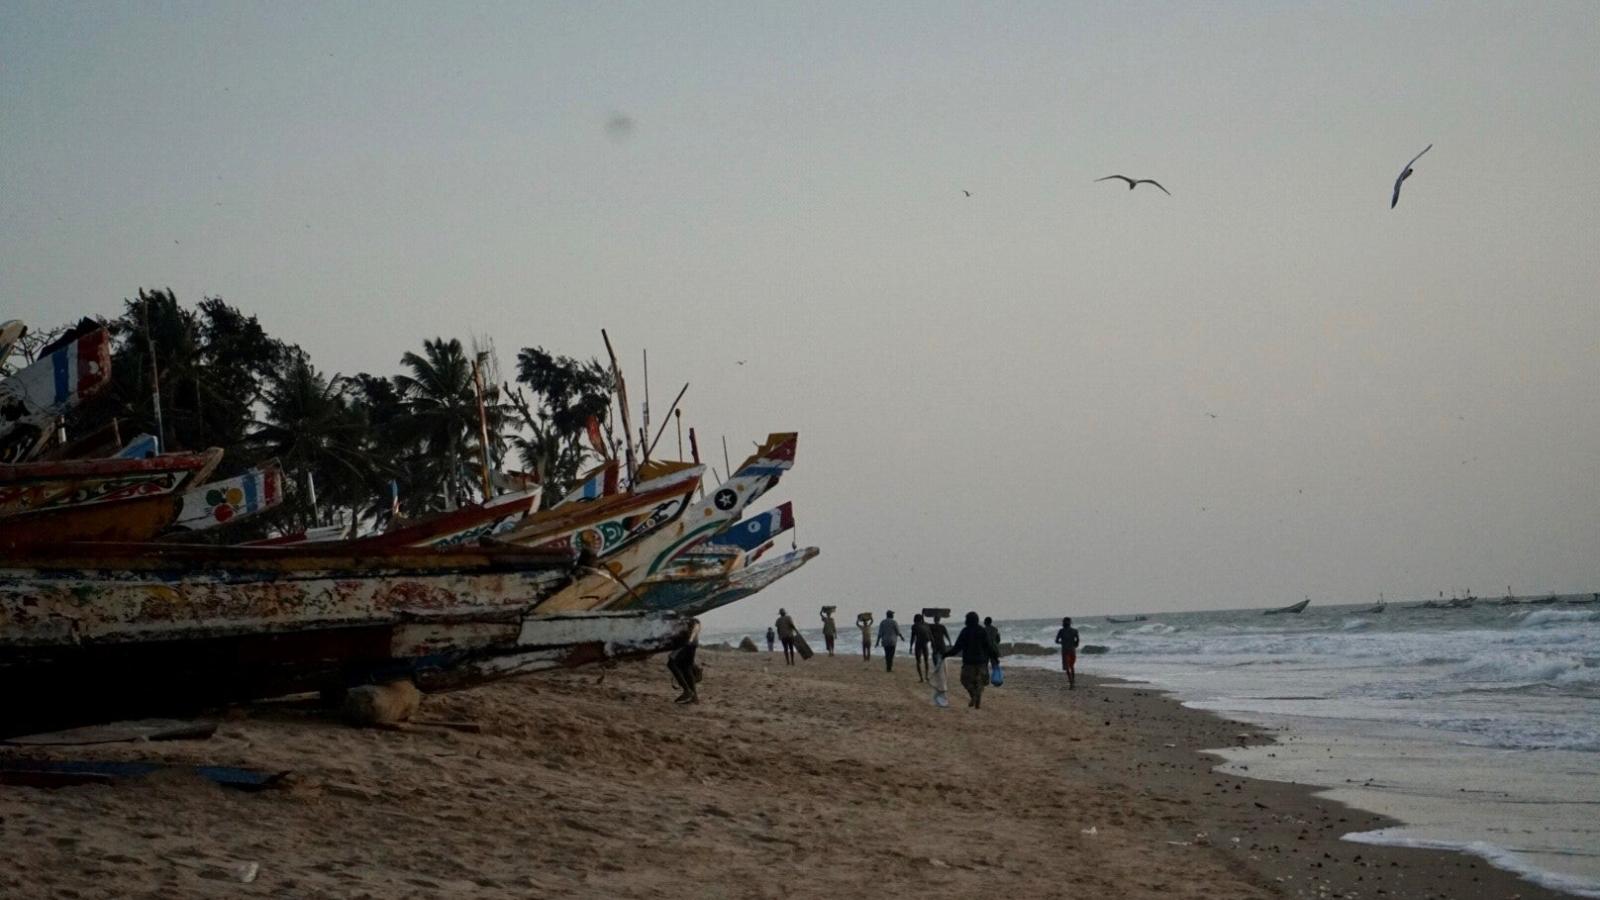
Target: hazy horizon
{"x": 1053, "y": 397}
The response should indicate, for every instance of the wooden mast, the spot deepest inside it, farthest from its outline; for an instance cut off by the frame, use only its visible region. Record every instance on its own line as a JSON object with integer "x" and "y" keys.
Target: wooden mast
{"x": 622, "y": 402}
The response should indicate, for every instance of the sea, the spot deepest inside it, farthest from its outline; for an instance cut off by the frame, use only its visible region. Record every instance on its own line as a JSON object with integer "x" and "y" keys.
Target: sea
{"x": 1477, "y": 729}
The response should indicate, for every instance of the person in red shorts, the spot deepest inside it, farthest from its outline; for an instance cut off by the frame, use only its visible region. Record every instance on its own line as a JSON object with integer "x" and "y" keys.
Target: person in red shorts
{"x": 1067, "y": 637}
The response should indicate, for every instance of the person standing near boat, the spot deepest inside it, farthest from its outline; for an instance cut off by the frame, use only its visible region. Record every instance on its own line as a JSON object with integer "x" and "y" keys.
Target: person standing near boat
{"x": 977, "y": 651}
{"x": 889, "y": 635}
{"x": 830, "y": 631}
{"x": 1067, "y": 637}
{"x": 786, "y": 632}
{"x": 685, "y": 674}
{"x": 921, "y": 636}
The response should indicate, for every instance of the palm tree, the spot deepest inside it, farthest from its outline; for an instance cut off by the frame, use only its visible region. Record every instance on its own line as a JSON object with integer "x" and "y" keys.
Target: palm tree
{"x": 443, "y": 406}
{"x": 309, "y": 423}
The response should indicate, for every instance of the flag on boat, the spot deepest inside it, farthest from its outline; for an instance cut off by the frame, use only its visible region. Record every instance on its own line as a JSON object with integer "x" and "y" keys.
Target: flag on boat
{"x": 757, "y": 530}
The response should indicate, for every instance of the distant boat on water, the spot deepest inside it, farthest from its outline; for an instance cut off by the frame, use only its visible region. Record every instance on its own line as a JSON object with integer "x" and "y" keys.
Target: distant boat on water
{"x": 1380, "y": 606}
{"x": 1296, "y": 608}
{"x": 1124, "y": 620}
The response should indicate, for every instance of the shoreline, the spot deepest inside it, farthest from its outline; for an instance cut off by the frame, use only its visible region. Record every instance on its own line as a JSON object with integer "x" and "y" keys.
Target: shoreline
{"x": 783, "y": 781}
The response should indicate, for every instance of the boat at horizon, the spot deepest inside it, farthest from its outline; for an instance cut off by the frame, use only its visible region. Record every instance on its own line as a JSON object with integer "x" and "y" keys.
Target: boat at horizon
{"x": 1292, "y": 608}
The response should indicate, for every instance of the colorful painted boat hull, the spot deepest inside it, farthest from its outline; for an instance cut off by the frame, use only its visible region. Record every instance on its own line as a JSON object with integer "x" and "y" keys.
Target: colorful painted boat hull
{"x": 47, "y": 504}
{"x": 613, "y": 582}
{"x": 749, "y": 581}
{"x": 232, "y": 499}
{"x": 125, "y": 630}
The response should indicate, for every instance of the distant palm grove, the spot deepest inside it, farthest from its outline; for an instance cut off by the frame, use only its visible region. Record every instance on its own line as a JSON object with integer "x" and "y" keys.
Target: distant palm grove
{"x": 224, "y": 382}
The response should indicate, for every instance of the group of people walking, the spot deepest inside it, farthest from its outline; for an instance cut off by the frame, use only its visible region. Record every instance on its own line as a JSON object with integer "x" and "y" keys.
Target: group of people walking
{"x": 978, "y": 646}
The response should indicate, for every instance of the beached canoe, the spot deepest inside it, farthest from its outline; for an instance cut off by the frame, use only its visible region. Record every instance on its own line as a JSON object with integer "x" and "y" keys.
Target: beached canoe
{"x": 231, "y": 499}
{"x": 749, "y": 581}
{"x": 616, "y": 576}
{"x": 92, "y": 632}
{"x": 606, "y": 525}
{"x": 44, "y": 504}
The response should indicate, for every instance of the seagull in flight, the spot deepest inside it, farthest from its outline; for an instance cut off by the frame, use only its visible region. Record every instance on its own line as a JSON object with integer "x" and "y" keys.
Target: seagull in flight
{"x": 1404, "y": 175}
{"x": 1135, "y": 182}
{"x": 968, "y": 193}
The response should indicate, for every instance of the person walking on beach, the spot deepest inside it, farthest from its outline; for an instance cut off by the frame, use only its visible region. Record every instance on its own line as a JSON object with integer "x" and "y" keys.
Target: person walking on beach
{"x": 786, "y": 632}
{"x": 1067, "y": 637}
{"x": 772, "y": 638}
{"x": 685, "y": 674}
{"x": 830, "y": 631}
{"x": 977, "y": 652}
{"x": 864, "y": 622}
{"x": 921, "y": 636}
{"x": 994, "y": 633}
{"x": 940, "y": 638}
{"x": 889, "y": 635}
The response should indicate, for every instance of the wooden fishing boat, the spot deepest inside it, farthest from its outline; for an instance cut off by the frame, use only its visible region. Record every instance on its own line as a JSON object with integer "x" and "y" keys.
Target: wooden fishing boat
{"x": 609, "y": 583}
{"x": 1124, "y": 621}
{"x": 1293, "y": 608}
{"x": 700, "y": 570}
{"x": 49, "y": 503}
{"x": 461, "y": 527}
{"x": 231, "y": 499}
{"x": 749, "y": 580}
{"x": 607, "y": 524}
{"x": 69, "y": 371}
{"x": 88, "y": 632}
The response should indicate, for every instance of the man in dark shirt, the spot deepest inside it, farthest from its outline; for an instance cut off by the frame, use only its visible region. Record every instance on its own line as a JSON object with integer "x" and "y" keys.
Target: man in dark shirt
{"x": 977, "y": 652}
{"x": 1067, "y": 637}
{"x": 994, "y": 633}
{"x": 940, "y": 638}
{"x": 921, "y": 636}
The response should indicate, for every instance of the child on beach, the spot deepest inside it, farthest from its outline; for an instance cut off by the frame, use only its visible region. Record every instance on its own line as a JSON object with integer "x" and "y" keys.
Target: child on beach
{"x": 1067, "y": 637}
{"x": 772, "y": 637}
{"x": 888, "y": 635}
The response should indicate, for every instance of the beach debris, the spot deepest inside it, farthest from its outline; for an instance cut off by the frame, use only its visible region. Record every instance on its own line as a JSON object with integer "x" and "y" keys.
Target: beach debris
{"x": 63, "y": 773}
{"x": 119, "y": 732}
{"x": 382, "y": 704}
{"x": 1094, "y": 648}
{"x": 242, "y": 871}
{"x": 748, "y": 645}
{"x": 350, "y": 791}
{"x": 1092, "y": 830}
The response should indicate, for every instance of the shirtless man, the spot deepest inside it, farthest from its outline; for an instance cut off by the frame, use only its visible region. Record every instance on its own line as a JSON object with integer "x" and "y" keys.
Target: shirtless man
{"x": 1067, "y": 637}
{"x": 830, "y": 631}
{"x": 921, "y": 637}
{"x": 865, "y": 624}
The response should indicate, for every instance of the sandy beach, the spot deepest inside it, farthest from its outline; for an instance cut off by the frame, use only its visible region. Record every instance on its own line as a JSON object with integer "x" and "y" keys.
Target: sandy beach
{"x": 831, "y": 778}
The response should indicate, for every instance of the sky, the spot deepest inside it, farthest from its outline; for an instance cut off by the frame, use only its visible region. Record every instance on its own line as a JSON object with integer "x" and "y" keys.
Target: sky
{"x": 1053, "y": 397}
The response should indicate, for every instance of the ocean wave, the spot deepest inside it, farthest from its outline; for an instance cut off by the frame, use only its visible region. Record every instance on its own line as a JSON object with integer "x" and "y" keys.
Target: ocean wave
{"x": 1541, "y": 617}
{"x": 1494, "y": 854}
{"x": 1530, "y": 667}
{"x": 1355, "y": 624}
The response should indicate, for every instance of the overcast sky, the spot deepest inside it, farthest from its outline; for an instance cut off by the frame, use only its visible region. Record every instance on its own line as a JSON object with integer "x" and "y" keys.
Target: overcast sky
{"x": 1004, "y": 401}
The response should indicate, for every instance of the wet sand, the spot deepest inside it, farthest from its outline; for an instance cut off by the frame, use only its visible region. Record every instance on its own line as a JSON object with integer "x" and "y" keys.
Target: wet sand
{"x": 831, "y": 778}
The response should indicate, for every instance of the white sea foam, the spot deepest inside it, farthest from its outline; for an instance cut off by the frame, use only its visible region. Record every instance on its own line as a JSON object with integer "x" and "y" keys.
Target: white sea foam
{"x": 1496, "y": 856}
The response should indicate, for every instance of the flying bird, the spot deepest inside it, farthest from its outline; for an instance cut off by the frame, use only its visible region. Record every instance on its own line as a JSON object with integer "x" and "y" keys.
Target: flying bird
{"x": 1404, "y": 175}
{"x": 1135, "y": 182}
{"x": 968, "y": 193}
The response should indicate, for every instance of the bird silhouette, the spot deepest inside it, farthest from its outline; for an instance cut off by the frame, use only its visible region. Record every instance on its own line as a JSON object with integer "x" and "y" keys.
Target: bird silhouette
{"x": 1404, "y": 175}
{"x": 1135, "y": 182}
{"x": 968, "y": 193}
{"x": 1212, "y": 415}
